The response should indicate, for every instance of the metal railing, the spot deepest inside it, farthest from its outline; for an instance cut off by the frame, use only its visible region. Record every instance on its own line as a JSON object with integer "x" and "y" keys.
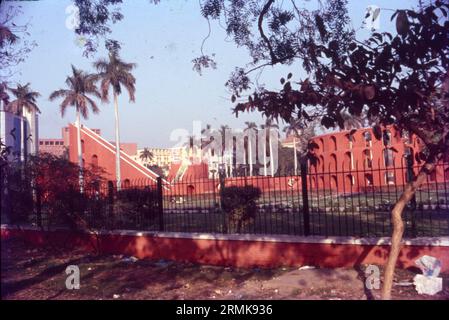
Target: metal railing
{"x": 346, "y": 202}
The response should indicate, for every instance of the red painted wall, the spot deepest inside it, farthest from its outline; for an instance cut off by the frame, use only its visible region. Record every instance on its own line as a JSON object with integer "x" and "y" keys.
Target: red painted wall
{"x": 238, "y": 253}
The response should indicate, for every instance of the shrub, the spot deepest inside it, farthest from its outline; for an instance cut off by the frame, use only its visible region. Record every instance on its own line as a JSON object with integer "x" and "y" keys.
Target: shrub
{"x": 136, "y": 207}
{"x": 239, "y": 204}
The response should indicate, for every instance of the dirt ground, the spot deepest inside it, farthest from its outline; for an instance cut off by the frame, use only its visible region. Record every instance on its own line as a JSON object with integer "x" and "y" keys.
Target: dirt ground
{"x": 31, "y": 273}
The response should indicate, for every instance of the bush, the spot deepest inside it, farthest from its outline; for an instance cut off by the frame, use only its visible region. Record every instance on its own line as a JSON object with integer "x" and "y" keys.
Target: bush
{"x": 239, "y": 204}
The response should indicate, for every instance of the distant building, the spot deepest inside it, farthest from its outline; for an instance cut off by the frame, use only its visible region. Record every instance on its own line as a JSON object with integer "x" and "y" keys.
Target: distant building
{"x": 355, "y": 160}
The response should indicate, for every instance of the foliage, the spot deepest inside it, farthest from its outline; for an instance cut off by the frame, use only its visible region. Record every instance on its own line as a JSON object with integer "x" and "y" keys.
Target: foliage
{"x": 25, "y": 99}
{"x": 278, "y": 32}
{"x": 400, "y": 80}
{"x": 80, "y": 85}
{"x": 95, "y": 19}
{"x": 115, "y": 73}
{"x": 55, "y": 181}
{"x": 138, "y": 207}
{"x": 14, "y": 43}
{"x": 239, "y": 203}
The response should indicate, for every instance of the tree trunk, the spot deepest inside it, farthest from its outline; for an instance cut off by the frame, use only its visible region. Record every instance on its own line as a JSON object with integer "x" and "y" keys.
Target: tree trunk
{"x": 80, "y": 155}
{"x": 117, "y": 144}
{"x": 22, "y": 137}
{"x": 398, "y": 223}
{"x": 295, "y": 156}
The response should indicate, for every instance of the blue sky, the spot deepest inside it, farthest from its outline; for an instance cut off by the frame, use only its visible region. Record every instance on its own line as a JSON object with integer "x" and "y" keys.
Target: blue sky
{"x": 162, "y": 39}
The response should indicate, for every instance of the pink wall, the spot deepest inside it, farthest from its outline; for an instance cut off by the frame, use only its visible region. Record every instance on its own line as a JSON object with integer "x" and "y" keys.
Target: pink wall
{"x": 238, "y": 253}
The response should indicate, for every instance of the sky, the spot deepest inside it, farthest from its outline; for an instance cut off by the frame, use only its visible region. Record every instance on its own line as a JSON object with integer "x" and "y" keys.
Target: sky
{"x": 162, "y": 40}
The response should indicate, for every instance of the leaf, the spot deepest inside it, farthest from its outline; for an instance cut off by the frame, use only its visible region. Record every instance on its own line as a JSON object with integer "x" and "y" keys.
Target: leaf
{"x": 327, "y": 121}
{"x": 402, "y": 24}
{"x": 289, "y": 76}
{"x": 369, "y": 92}
{"x": 282, "y": 80}
{"x": 233, "y": 98}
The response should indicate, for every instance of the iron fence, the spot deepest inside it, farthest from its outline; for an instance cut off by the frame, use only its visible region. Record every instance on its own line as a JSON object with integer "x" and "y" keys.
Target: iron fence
{"x": 346, "y": 202}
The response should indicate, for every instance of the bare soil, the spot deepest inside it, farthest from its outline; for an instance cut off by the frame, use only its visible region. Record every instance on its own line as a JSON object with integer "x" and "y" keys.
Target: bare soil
{"x": 39, "y": 273}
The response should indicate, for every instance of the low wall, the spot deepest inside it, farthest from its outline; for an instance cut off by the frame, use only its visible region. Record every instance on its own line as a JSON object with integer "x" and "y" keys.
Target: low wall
{"x": 239, "y": 250}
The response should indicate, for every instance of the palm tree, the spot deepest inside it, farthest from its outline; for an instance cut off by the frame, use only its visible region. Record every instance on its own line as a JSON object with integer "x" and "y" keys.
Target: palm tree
{"x": 80, "y": 85}
{"x": 250, "y": 127}
{"x": 25, "y": 101}
{"x": 116, "y": 73}
{"x": 293, "y": 128}
{"x": 269, "y": 125}
{"x": 146, "y": 155}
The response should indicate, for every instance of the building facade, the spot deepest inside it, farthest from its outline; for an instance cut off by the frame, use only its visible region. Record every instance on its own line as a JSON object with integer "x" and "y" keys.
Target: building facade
{"x": 354, "y": 160}
{"x": 20, "y": 132}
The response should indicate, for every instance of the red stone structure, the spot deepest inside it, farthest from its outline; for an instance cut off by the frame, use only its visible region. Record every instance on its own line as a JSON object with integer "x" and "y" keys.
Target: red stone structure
{"x": 354, "y": 160}
{"x": 97, "y": 151}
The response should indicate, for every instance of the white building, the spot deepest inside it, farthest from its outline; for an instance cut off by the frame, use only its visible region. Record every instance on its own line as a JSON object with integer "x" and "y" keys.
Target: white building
{"x": 11, "y": 132}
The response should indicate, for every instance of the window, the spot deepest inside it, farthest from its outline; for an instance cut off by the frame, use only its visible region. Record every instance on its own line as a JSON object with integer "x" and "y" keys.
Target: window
{"x": 350, "y": 179}
{"x": 94, "y": 160}
{"x": 334, "y": 184}
{"x": 322, "y": 144}
{"x": 333, "y": 162}
{"x": 389, "y": 178}
{"x": 387, "y": 138}
{"x": 126, "y": 183}
{"x": 349, "y": 160}
{"x": 388, "y": 157}
{"x": 368, "y": 139}
{"x": 406, "y": 136}
{"x": 333, "y": 143}
{"x": 369, "y": 179}
{"x": 350, "y": 139}
{"x": 367, "y": 158}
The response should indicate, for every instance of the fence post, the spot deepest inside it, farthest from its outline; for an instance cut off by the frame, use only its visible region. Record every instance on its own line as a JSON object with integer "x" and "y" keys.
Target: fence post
{"x": 411, "y": 177}
{"x": 111, "y": 202}
{"x": 305, "y": 199}
{"x": 221, "y": 177}
{"x": 160, "y": 203}
{"x": 38, "y": 207}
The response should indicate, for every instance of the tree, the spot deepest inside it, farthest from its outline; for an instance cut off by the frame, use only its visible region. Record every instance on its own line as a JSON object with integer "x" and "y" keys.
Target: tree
{"x": 116, "y": 73}
{"x": 94, "y": 21}
{"x": 250, "y": 128}
{"x": 400, "y": 80}
{"x": 146, "y": 155}
{"x": 268, "y": 126}
{"x": 81, "y": 86}
{"x": 25, "y": 101}
{"x": 14, "y": 45}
